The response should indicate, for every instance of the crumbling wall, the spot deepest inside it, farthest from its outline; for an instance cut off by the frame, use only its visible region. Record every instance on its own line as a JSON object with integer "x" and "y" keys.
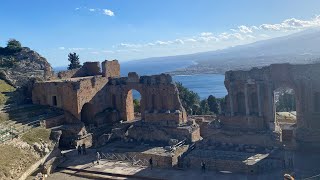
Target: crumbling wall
{"x": 88, "y": 69}
{"x": 259, "y": 84}
{"x": 110, "y": 68}
{"x": 159, "y": 98}
{"x": 160, "y": 103}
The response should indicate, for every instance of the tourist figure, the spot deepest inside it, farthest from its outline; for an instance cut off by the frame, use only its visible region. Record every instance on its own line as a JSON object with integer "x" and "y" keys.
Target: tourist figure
{"x": 98, "y": 157}
{"x": 84, "y": 152}
{"x": 203, "y": 166}
{"x": 151, "y": 163}
{"x": 79, "y": 150}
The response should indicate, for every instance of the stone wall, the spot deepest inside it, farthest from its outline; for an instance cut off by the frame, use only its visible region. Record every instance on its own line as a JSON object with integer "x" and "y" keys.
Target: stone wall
{"x": 251, "y": 93}
{"x": 110, "y": 68}
{"x": 111, "y": 96}
{"x": 88, "y": 69}
{"x": 159, "y": 98}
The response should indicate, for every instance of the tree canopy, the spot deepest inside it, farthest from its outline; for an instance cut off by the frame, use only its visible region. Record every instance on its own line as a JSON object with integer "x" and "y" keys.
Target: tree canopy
{"x": 189, "y": 99}
{"x": 13, "y": 46}
{"x": 286, "y": 102}
{"x": 74, "y": 61}
{"x": 194, "y": 106}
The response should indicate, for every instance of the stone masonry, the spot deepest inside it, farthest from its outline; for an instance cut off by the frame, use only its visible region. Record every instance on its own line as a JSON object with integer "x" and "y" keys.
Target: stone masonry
{"x": 100, "y": 98}
{"x": 250, "y": 99}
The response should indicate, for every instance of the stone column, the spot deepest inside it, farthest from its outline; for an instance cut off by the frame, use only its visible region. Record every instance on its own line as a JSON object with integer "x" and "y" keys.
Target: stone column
{"x": 270, "y": 97}
{"x": 246, "y": 99}
{"x": 231, "y": 99}
{"x": 259, "y": 99}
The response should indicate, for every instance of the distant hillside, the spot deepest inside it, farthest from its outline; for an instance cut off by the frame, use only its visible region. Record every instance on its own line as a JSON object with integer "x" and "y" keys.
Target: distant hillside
{"x": 18, "y": 64}
{"x": 302, "y": 47}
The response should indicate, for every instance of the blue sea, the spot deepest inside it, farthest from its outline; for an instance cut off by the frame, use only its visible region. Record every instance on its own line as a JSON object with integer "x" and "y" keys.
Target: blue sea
{"x": 204, "y": 84}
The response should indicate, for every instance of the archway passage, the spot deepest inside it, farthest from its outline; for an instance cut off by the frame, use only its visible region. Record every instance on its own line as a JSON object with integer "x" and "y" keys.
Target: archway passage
{"x": 133, "y": 110}
{"x": 285, "y": 111}
{"x": 285, "y": 105}
{"x": 87, "y": 114}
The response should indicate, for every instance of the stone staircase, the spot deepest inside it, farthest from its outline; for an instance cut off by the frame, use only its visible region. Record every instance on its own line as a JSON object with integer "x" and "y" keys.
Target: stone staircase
{"x": 23, "y": 118}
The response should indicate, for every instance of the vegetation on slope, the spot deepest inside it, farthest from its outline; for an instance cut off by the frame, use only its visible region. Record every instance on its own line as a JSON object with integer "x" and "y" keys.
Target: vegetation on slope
{"x": 11, "y": 158}
{"x": 35, "y": 135}
{"x": 5, "y": 88}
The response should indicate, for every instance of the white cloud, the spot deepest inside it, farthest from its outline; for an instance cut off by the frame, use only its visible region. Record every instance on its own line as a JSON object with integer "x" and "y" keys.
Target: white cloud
{"x": 206, "y": 34}
{"x": 190, "y": 40}
{"x": 292, "y": 24}
{"x": 240, "y": 35}
{"x": 108, "y": 12}
{"x": 179, "y": 41}
{"x": 62, "y": 48}
{"x": 127, "y": 45}
{"x": 244, "y": 29}
{"x": 163, "y": 42}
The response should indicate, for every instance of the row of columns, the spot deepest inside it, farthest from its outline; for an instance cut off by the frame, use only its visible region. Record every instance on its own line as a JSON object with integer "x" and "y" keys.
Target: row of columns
{"x": 246, "y": 98}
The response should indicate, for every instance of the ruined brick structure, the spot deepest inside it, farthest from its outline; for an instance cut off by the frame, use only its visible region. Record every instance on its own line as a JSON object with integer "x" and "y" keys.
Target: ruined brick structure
{"x": 88, "y": 91}
{"x": 98, "y": 98}
{"x": 250, "y": 99}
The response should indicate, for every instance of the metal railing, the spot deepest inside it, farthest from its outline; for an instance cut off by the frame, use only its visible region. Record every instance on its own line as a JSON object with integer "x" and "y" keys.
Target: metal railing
{"x": 132, "y": 160}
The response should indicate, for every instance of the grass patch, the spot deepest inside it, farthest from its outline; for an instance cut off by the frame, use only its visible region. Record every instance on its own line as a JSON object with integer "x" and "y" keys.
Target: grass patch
{"x": 35, "y": 134}
{"x": 12, "y": 157}
{"x": 3, "y": 117}
{"x": 4, "y": 88}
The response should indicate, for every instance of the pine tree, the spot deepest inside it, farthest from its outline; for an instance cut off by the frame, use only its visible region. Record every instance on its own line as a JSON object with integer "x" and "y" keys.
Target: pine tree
{"x": 74, "y": 61}
{"x": 213, "y": 104}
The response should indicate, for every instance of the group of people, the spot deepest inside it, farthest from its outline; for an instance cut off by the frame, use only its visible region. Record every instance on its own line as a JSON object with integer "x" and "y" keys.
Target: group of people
{"x": 82, "y": 149}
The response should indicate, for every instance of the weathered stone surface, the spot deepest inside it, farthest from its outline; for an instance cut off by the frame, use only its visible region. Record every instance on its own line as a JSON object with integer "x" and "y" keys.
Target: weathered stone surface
{"x": 250, "y": 98}
{"x": 101, "y": 98}
{"x": 86, "y": 97}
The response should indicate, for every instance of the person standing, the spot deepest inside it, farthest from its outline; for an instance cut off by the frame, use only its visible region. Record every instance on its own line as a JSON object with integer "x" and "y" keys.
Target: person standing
{"x": 151, "y": 163}
{"x": 79, "y": 149}
{"x": 98, "y": 157}
{"x": 84, "y": 152}
{"x": 203, "y": 166}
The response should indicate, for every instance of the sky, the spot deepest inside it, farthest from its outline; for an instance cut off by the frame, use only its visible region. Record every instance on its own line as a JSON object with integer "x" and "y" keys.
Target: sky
{"x": 136, "y": 29}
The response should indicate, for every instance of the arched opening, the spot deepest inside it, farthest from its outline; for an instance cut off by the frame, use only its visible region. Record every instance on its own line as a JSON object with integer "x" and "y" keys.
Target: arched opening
{"x": 87, "y": 114}
{"x": 241, "y": 104}
{"x": 133, "y": 107}
{"x": 285, "y": 111}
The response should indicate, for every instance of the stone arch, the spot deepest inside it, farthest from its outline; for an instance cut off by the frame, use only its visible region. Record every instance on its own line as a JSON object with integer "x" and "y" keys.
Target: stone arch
{"x": 87, "y": 114}
{"x": 241, "y": 103}
{"x": 129, "y": 106}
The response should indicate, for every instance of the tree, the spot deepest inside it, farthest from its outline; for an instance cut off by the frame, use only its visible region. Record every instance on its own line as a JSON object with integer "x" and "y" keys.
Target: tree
{"x": 213, "y": 104}
{"x": 14, "y": 45}
{"x": 204, "y": 107}
{"x": 286, "y": 102}
{"x": 74, "y": 61}
{"x": 136, "y": 105}
{"x": 189, "y": 99}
